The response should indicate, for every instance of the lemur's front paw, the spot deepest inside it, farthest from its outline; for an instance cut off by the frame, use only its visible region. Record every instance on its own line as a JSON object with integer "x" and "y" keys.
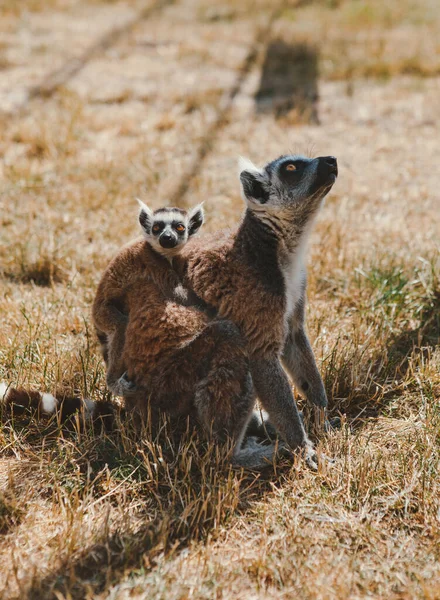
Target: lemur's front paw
{"x": 315, "y": 394}
{"x": 122, "y": 386}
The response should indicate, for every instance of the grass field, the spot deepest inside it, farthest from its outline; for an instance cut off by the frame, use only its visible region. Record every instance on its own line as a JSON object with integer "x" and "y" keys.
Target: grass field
{"x": 104, "y": 101}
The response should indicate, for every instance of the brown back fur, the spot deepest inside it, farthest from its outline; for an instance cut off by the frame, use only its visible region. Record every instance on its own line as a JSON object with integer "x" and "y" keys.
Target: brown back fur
{"x": 213, "y": 267}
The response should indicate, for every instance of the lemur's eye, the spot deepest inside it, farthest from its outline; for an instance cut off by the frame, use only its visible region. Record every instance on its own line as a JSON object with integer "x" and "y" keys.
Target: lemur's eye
{"x": 290, "y": 167}
{"x": 180, "y": 228}
{"x": 156, "y": 228}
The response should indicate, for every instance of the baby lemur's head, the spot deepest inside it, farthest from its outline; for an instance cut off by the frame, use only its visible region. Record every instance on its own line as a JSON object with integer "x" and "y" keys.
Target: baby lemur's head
{"x": 289, "y": 184}
{"x": 168, "y": 229}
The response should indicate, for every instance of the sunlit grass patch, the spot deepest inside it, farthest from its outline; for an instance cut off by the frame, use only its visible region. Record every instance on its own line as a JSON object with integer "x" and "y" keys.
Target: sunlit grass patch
{"x": 360, "y": 39}
{"x": 405, "y": 295}
{"x": 390, "y": 332}
{"x": 46, "y": 134}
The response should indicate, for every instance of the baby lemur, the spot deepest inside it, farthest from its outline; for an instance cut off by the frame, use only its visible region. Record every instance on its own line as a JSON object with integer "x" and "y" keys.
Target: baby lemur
{"x": 174, "y": 357}
{"x": 142, "y": 275}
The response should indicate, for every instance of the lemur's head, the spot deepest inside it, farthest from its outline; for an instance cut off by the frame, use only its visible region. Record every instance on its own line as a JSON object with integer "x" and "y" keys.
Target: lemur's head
{"x": 290, "y": 181}
{"x": 168, "y": 229}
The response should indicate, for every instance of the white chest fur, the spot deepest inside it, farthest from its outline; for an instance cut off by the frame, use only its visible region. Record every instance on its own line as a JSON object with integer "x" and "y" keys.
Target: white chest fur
{"x": 294, "y": 272}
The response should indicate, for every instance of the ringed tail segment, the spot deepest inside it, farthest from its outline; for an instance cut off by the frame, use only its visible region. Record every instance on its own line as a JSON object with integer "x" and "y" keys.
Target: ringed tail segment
{"x": 18, "y": 401}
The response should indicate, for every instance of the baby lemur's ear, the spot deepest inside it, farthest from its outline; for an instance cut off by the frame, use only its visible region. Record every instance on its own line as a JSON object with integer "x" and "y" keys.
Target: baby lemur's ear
{"x": 145, "y": 217}
{"x": 253, "y": 183}
{"x": 196, "y": 217}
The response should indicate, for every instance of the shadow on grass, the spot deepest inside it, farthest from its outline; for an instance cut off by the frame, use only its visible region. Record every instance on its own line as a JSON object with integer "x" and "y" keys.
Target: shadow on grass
{"x": 173, "y": 489}
{"x": 103, "y": 563}
{"x": 289, "y": 82}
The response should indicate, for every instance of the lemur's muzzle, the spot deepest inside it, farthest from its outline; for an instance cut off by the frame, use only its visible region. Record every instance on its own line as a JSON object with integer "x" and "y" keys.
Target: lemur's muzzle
{"x": 168, "y": 240}
{"x": 327, "y": 170}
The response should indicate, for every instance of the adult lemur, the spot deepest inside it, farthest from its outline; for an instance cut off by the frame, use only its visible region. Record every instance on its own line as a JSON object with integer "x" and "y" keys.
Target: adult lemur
{"x": 256, "y": 278}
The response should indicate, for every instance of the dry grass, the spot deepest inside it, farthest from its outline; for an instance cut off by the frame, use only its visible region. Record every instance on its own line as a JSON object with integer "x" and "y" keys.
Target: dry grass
{"x": 369, "y": 38}
{"x": 96, "y": 514}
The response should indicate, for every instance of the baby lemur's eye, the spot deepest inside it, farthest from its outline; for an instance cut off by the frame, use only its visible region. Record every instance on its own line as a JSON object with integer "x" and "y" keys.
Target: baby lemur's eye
{"x": 180, "y": 228}
{"x": 290, "y": 167}
{"x": 156, "y": 228}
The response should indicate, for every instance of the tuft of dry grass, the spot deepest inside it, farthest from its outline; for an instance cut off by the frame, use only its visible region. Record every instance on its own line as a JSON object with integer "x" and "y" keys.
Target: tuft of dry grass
{"x": 130, "y": 514}
{"x": 10, "y": 511}
{"x": 44, "y": 271}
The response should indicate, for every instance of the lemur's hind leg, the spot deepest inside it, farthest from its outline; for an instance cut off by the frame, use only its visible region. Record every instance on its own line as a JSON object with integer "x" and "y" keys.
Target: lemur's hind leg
{"x": 112, "y": 341}
{"x": 117, "y": 381}
{"x": 225, "y": 397}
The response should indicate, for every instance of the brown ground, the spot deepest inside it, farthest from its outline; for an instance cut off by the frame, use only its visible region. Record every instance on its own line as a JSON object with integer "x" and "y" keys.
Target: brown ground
{"x": 104, "y": 101}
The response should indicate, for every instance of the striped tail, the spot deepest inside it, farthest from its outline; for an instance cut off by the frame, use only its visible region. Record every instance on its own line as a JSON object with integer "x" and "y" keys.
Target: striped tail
{"x": 18, "y": 401}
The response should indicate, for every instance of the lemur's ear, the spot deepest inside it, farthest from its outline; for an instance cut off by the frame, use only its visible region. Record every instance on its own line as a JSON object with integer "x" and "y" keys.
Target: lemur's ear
{"x": 145, "y": 217}
{"x": 253, "y": 183}
{"x": 196, "y": 217}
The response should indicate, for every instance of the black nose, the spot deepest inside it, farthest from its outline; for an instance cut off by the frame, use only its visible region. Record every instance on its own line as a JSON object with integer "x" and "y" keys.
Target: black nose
{"x": 332, "y": 163}
{"x": 327, "y": 170}
{"x": 167, "y": 240}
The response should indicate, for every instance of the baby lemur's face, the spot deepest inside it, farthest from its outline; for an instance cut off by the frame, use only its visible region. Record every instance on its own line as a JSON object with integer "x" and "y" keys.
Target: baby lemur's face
{"x": 290, "y": 181}
{"x": 168, "y": 229}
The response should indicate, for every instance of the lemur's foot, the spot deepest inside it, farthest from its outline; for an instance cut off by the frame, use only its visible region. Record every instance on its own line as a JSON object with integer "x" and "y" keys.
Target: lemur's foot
{"x": 280, "y": 447}
{"x": 310, "y": 456}
{"x": 122, "y": 386}
{"x": 314, "y": 459}
{"x": 252, "y": 442}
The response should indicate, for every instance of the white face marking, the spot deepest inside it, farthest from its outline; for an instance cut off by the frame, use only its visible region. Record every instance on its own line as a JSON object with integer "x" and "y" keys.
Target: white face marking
{"x": 3, "y": 391}
{"x": 168, "y": 217}
{"x": 244, "y": 164}
{"x": 48, "y": 403}
{"x": 168, "y": 214}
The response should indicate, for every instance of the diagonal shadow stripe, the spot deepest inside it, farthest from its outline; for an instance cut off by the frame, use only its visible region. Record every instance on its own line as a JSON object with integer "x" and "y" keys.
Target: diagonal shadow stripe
{"x": 63, "y": 74}
{"x": 177, "y": 197}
